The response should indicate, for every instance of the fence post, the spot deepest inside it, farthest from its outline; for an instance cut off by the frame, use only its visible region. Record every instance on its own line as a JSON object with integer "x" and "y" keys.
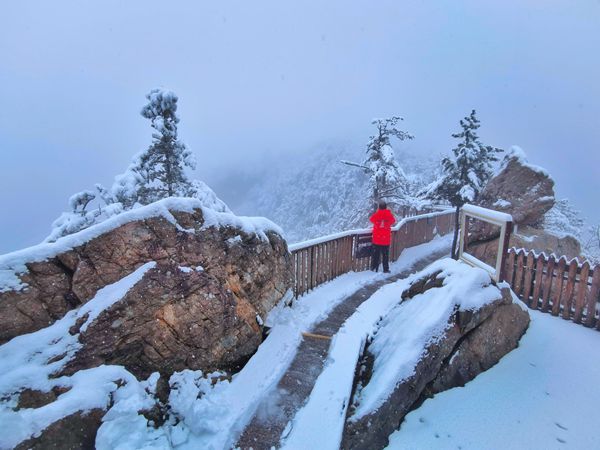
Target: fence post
{"x": 505, "y": 245}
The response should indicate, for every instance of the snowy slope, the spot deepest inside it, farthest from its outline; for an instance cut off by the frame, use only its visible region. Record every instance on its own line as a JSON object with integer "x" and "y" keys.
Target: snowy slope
{"x": 542, "y": 395}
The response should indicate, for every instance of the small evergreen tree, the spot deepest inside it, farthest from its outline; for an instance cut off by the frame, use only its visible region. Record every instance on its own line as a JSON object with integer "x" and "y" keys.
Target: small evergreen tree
{"x": 159, "y": 171}
{"x": 387, "y": 180}
{"x": 465, "y": 172}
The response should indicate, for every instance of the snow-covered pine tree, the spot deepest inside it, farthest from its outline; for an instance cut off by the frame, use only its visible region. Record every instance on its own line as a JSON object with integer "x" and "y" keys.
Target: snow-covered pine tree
{"x": 387, "y": 180}
{"x": 465, "y": 172}
{"x": 159, "y": 171}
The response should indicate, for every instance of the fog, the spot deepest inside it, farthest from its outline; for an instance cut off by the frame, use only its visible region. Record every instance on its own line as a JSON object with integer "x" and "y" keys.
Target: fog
{"x": 260, "y": 80}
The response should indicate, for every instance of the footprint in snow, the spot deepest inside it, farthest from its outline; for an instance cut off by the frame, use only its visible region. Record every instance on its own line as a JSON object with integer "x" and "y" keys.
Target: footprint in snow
{"x": 561, "y": 426}
{"x": 561, "y": 441}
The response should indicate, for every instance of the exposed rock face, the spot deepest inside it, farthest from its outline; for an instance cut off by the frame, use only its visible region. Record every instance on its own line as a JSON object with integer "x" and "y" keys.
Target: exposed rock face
{"x": 521, "y": 190}
{"x": 482, "y": 348}
{"x": 531, "y": 239}
{"x": 473, "y": 342}
{"x": 74, "y": 432}
{"x": 196, "y": 309}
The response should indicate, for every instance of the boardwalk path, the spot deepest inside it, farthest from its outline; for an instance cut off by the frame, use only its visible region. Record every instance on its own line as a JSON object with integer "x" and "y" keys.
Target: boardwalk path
{"x": 272, "y": 416}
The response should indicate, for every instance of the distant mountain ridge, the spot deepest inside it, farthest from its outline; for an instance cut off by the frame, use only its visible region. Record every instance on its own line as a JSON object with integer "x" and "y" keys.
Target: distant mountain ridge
{"x": 314, "y": 194}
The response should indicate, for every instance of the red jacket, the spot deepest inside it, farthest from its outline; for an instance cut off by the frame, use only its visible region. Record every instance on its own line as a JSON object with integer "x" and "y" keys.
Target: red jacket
{"x": 383, "y": 219}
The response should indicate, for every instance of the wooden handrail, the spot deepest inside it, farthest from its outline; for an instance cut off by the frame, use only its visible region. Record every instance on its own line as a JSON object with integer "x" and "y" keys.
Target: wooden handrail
{"x": 323, "y": 259}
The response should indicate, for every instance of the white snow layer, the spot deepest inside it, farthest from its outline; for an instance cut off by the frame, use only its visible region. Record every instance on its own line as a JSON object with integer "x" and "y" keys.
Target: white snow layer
{"x": 400, "y": 340}
{"x": 496, "y": 216}
{"x": 13, "y": 264}
{"x": 517, "y": 153}
{"x": 25, "y": 364}
{"x": 542, "y": 395}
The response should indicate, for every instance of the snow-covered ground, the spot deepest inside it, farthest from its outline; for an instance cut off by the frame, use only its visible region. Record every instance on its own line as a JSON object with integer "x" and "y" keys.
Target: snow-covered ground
{"x": 542, "y": 395}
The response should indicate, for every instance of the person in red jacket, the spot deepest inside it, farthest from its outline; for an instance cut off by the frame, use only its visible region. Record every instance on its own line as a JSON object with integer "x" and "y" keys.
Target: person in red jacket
{"x": 382, "y": 220}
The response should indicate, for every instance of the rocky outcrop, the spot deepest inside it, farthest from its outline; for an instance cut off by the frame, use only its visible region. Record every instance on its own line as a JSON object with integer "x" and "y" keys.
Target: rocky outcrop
{"x": 74, "y": 432}
{"x": 520, "y": 189}
{"x": 481, "y": 348}
{"x": 197, "y": 308}
{"x": 473, "y": 341}
{"x": 529, "y": 238}
{"x": 527, "y": 193}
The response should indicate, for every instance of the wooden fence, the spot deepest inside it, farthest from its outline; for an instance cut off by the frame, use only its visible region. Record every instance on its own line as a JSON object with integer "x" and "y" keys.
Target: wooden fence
{"x": 555, "y": 285}
{"x": 321, "y": 260}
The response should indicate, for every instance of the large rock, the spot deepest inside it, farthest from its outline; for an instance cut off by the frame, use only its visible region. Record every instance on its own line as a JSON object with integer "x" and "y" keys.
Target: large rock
{"x": 482, "y": 348}
{"x": 520, "y": 189}
{"x": 531, "y": 239}
{"x": 197, "y": 308}
{"x": 473, "y": 341}
{"x": 74, "y": 432}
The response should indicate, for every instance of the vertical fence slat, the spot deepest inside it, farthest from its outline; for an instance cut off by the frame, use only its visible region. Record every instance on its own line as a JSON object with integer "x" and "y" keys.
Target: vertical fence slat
{"x": 518, "y": 284}
{"x": 592, "y": 299}
{"x": 582, "y": 290}
{"x": 558, "y": 287}
{"x": 510, "y": 266}
{"x": 549, "y": 278}
{"x": 304, "y": 270}
{"x": 528, "y": 278}
{"x": 567, "y": 297}
{"x": 537, "y": 288}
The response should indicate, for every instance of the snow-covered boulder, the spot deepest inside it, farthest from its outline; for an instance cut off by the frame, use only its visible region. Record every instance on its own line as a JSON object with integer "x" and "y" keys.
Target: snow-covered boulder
{"x": 214, "y": 274}
{"x": 451, "y": 324}
{"x": 521, "y": 189}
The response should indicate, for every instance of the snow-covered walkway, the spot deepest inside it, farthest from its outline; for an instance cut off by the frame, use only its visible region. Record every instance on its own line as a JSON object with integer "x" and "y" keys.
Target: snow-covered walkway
{"x": 542, "y": 395}
{"x": 273, "y": 416}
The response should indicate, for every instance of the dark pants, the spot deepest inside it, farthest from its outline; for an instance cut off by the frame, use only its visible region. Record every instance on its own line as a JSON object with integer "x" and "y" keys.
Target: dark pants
{"x": 380, "y": 252}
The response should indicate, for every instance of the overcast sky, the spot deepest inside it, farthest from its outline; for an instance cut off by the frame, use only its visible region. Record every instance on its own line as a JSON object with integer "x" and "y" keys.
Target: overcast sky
{"x": 264, "y": 78}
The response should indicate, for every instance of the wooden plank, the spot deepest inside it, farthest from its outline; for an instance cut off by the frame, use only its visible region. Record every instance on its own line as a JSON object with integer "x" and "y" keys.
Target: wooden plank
{"x": 299, "y": 273}
{"x": 296, "y": 274}
{"x": 302, "y": 272}
{"x": 537, "y": 286}
{"x": 548, "y": 282}
{"x": 558, "y": 287}
{"x": 331, "y": 259}
{"x": 582, "y": 289}
{"x": 510, "y": 266}
{"x": 316, "y": 336}
{"x": 335, "y": 255}
{"x": 592, "y": 299}
{"x": 518, "y": 283}
{"x": 567, "y": 297}
{"x": 319, "y": 254}
{"x": 528, "y": 277}
{"x": 313, "y": 267}
{"x": 318, "y": 268}
{"x": 354, "y": 260}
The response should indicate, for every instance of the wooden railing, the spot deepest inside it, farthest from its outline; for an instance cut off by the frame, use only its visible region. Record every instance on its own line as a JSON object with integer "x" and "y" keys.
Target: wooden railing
{"x": 323, "y": 259}
{"x": 555, "y": 285}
